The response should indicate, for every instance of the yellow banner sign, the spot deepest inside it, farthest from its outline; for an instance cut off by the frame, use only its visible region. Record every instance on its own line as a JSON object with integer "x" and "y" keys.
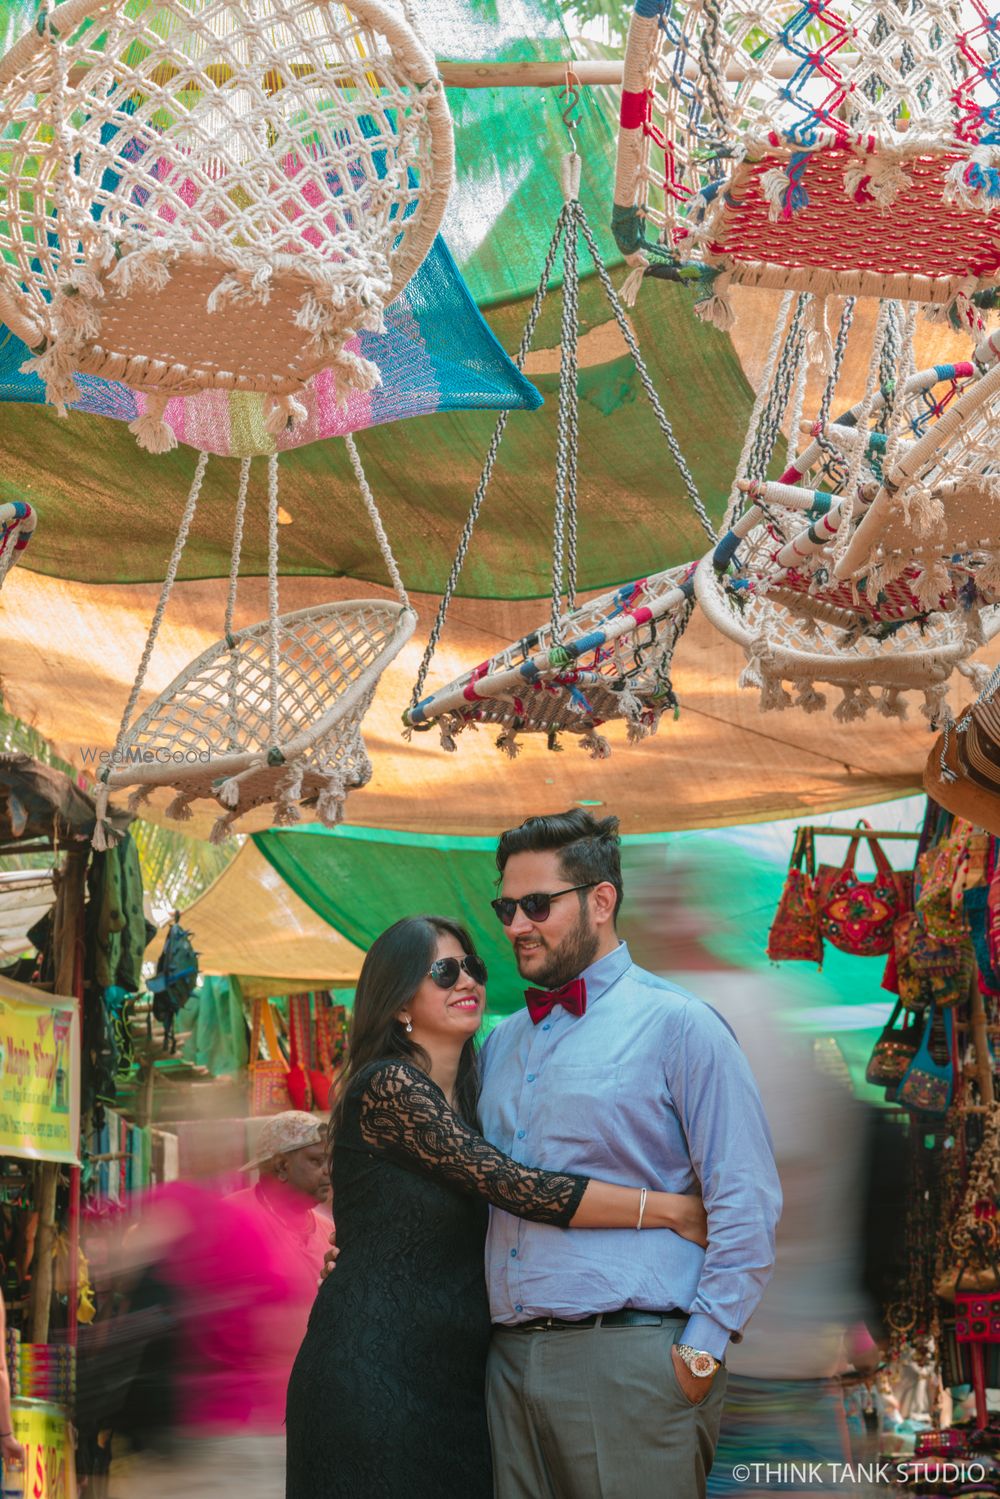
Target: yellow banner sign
{"x": 49, "y": 1461}
{"x": 39, "y": 1074}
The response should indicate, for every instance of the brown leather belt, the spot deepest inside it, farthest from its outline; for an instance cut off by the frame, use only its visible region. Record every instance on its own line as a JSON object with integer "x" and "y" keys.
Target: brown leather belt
{"x": 627, "y": 1317}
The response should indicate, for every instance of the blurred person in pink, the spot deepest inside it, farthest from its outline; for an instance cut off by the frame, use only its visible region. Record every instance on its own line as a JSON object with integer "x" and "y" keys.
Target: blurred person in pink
{"x": 225, "y": 1289}
{"x": 294, "y": 1178}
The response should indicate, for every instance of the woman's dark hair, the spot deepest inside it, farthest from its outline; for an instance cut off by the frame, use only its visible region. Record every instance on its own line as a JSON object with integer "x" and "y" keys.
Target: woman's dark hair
{"x": 394, "y": 968}
{"x": 588, "y": 847}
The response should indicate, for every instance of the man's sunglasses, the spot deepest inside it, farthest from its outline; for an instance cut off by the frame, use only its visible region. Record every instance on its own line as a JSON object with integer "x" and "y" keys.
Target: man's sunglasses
{"x": 535, "y": 907}
{"x": 445, "y": 971}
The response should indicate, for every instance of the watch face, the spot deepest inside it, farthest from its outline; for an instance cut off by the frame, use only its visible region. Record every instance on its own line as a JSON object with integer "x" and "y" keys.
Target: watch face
{"x": 702, "y": 1364}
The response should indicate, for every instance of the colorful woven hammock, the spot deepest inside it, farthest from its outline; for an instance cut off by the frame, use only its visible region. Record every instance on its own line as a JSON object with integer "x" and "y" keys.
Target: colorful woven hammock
{"x": 844, "y": 145}
{"x": 17, "y": 526}
{"x": 206, "y": 194}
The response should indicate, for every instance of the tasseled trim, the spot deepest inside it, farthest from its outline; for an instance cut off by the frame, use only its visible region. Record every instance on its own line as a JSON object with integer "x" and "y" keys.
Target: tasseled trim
{"x": 146, "y": 269}
{"x": 773, "y": 696}
{"x": 974, "y": 184}
{"x": 150, "y": 430}
{"x": 809, "y": 699}
{"x": 54, "y": 365}
{"x": 180, "y": 808}
{"x": 892, "y": 704}
{"x": 931, "y": 586}
{"x": 976, "y": 673}
{"x": 716, "y": 308}
{"x": 922, "y": 509}
{"x": 877, "y": 179}
{"x": 987, "y": 579}
{"x": 819, "y": 343}
{"x": 507, "y": 741}
{"x": 628, "y": 292}
{"x": 935, "y": 704}
{"x": 630, "y": 705}
{"x": 248, "y": 284}
{"x": 330, "y": 802}
{"x": 855, "y": 704}
{"x": 447, "y": 734}
{"x": 286, "y": 814}
{"x": 283, "y": 414}
{"x": 222, "y": 828}
{"x": 229, "y": 792}
{"x": 596, "y": 745}
{"x": 351, "y": 372}
{"x": 138, "y": 798}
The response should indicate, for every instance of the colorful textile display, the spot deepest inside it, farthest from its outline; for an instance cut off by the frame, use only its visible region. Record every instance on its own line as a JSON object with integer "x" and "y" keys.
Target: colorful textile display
{"x": 795, "y": 932}
{"x": 820, "y": 148}
{"x": 228, "y": 196}
{"x": 858, "y": 915}
{"x": 268, "y": 1076}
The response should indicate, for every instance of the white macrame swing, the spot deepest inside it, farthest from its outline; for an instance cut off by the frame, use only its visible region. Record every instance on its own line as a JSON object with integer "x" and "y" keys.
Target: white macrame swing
{"x": 769, "y": 584}
{"x": 606, "y": 659}
{"x": 833, "y": 145}
{"x": 272, "y": 712}
{"x": 214, "y": 193}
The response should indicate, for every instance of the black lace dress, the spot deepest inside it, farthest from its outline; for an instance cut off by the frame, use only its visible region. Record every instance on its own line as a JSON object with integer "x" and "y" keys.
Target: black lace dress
{"x": 386, "y": 1398}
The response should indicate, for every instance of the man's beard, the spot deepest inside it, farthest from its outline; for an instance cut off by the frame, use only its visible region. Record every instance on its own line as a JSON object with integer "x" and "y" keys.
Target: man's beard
{"x": 575, "y": 952}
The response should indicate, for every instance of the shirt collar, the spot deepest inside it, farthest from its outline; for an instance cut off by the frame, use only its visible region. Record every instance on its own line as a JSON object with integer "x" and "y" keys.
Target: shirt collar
{"x": 600, "y": 976}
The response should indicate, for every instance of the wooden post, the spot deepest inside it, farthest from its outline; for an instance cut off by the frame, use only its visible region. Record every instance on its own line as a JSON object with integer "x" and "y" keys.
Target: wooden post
{"x": 67, "y": 931}
{"x": 41, "y": 1275}
{"x": 981, "y": 1043}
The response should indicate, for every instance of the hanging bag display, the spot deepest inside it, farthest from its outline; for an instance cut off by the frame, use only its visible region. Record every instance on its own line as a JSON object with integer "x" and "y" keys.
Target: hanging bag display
{"x": 857, "y": 915}
{"x": 977, "y": 1313}
{"x": 320, "y": 1070}
{"x": 268, "y": 1087}
{"x": 298, "y": 1079}
{"x": 937, "y": 872}
{"x": 928, "y": 971}
{"x": 894, "y": 1050}
{"x": 795, "y": 933}
{"x": 928, "y": 1082}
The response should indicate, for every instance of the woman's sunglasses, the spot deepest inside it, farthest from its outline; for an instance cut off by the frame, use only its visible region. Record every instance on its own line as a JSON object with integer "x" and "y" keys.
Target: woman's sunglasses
{"x": 535, "y": 907}
{"x": 445, "y": 971}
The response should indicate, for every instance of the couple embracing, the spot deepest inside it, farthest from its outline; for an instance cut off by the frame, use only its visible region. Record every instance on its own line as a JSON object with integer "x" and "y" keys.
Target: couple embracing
{"x": 606, "y": 1151}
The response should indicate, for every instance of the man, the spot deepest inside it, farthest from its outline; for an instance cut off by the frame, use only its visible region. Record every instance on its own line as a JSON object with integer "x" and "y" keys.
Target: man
{"x": 606, "y": 1374}
{"x": 294, "y": 1177}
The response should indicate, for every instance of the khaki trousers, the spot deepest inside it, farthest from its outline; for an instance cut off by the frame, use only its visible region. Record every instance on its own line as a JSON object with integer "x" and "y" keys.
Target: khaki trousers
{"x": 597, "y": 1413}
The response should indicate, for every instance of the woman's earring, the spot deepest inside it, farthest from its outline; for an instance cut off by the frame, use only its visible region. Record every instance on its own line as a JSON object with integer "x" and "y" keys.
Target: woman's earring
{"x": 409, "y": 1026}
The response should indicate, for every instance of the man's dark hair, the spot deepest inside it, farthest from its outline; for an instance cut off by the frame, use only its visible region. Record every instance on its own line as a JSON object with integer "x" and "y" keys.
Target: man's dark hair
{"x": 588, "y": 847}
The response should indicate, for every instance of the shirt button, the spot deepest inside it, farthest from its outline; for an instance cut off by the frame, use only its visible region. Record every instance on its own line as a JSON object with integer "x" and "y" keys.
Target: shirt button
{"x": 513, "y": 1254}
{"x": 519, "y": 1307}
{"x": 531, "y": 1077}
{"x": 546, "y": 1026}
{"x": 520, "y": 1134}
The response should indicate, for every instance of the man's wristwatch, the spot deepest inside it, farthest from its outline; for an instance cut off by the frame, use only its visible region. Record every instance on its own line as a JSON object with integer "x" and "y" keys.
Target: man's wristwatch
{"x": 702, "y": 1365}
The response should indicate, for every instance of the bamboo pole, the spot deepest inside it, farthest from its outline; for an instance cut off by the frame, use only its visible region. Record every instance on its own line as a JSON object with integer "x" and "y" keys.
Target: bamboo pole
{"x": 981, "y": 1045}
{"x": 861, "y": 833}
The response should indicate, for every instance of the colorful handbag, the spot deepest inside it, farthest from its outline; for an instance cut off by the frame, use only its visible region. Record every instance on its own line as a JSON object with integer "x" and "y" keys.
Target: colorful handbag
{"x": 977, "y": 1313}
{"x": 928, "y": 1083}
{"x": 795, "y": 931}
{"x": 928, "y": 971}
{"x": 893, "y": 1051}
{"x": 268, "y": 1088}
{"x": 976, "y": 904}
{"x": 857, "y": 915}
{"x": 936, "y": 875}
{"x": 940, "y": 1443}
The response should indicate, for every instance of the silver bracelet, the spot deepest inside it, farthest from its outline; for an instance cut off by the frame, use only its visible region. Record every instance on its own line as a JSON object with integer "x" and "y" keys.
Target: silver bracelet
{"x": 643, "y": 1194}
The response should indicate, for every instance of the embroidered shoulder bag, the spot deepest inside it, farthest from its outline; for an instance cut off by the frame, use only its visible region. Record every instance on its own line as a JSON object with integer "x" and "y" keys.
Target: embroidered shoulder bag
{"x": 795, "y": 931}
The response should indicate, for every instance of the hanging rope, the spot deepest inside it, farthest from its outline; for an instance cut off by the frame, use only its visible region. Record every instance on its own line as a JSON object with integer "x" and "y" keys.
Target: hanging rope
{"x": 563, "y": 568}
{"x": 234, "y": 569}
{"x": 272, "y": 603}
{"x": 168, "y": 583}
{"x": 376, "y": 520}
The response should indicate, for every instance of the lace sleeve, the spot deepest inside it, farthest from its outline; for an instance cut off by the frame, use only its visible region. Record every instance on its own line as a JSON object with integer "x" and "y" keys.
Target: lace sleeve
{"x": 403, "y": 1115}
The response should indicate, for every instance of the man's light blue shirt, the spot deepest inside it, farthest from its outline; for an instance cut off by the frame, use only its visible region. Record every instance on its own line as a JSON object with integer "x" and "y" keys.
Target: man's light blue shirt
{"x": 648, "y": 1088}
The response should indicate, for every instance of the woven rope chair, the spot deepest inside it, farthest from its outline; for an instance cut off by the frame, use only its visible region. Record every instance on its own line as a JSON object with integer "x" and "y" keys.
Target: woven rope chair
{"x": 271, "y": 713}
{"x": 17, "y": 526}
{"x": 769, "y": 583}
{"x": 606, "y": 659}
{"x": 939, "y": 507}
{"x": 849, "y": 146}
{"x": 214, "y": 193}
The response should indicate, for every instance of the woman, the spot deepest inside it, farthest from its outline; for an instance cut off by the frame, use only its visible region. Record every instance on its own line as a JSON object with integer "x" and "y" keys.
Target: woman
{"x": 386, "y": 1397}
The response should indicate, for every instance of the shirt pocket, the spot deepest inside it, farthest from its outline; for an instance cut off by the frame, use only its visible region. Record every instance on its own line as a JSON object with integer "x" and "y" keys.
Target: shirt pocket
{"x": 580, "y": 1103}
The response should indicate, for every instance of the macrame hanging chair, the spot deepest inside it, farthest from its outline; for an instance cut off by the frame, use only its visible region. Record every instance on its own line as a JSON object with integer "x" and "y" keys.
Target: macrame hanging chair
{"x": 271, "y": 713}
{"x": 843, "y": 145}
{"x": 608, "y": 658}
{"x": 214, "y": 194}
{"x": 17, "y": 526}
{"x": 769, "y": 584}
{"x": 939, "y": 507}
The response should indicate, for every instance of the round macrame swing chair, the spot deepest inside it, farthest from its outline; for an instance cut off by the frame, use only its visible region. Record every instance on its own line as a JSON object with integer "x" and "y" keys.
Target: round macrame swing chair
{"x": 606, "y": 659}
{"x": 272, "y": 712}
{"x": 17, "y": 526}
{"x": 846, "y": 144}
{"x": 769, "y": 584}
{"x": 214, "y": 194}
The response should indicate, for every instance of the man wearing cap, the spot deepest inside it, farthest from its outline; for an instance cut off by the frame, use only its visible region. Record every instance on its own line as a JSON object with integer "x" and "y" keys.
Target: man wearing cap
{"x": 294, "y": 1177}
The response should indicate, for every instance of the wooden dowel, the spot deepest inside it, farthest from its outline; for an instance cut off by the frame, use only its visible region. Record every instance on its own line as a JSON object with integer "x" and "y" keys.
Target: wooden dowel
{"x": 861, "y": 833}
{"x": 41, "y": 1271}
{"x": 981, "y": 1045}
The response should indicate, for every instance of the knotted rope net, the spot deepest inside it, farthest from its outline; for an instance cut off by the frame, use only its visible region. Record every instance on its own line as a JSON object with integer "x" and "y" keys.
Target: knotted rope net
{"x": 838, "y": 145}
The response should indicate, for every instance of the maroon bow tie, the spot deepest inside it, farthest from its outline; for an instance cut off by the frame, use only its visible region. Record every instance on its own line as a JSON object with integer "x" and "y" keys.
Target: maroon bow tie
{"x": 572, "y": 996}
